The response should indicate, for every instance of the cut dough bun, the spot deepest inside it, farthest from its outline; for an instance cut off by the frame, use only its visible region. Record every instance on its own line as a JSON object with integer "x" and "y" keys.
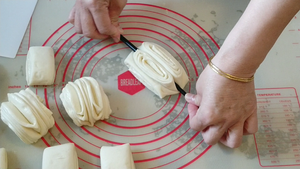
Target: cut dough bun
{"x": 85, "y": 101}
{"x": 26, "y": 115}
{"x": 117, "y": 157}
{"x": 40, "y": 66}
{"x": 60, "y": 157}
{"x": 157, "y": 69}
{"x": 3, "y": 159}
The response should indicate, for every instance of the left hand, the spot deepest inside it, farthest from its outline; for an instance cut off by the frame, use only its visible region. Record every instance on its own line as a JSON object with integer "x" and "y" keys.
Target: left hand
{"x": 97, "y": 19}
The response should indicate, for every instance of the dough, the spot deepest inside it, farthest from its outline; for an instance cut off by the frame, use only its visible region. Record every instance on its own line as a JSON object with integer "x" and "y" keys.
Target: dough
{"x": 60, "y": 157}
{"x": 85, "y": 101}
{"x": 157, "y": 69}
{"x": 26, "y": 115}
{"x": 40, "y": 66}
{"x": 117, "y": 157}
{"x": 3, "y": 159}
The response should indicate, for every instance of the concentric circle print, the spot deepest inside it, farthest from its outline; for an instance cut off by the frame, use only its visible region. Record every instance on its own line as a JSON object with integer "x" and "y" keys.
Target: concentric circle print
{"x": 157, "y": 129}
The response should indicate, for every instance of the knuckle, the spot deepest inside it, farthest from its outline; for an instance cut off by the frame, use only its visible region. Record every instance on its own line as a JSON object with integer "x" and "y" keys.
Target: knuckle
{"x": 209, "y": 140}
{"x": 78, "y": 31}
{"x": 88, "y": 34}
{"x": 194, "y": 127}
{"x": 209, "y": 117}
{"x": 234, "y": 144}
{"x": 90, "y": 3}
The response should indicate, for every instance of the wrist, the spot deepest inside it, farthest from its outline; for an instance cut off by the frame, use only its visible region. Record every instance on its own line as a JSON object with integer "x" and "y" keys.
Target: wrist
{"x": 220, "y": 72}
{"x": 235, "y": 64}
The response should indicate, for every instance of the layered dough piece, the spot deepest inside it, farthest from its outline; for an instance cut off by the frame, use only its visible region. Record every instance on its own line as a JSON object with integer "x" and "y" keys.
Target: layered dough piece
{"x": 60, "y": 157}
{"x": 85, "y": 101}
{"x": 26, "y": 115}
{"x": 117, "y": 157}
{"x": 40, "y": 66}
{"x": 157, "y": 69}
{"x": 3, "y": 159}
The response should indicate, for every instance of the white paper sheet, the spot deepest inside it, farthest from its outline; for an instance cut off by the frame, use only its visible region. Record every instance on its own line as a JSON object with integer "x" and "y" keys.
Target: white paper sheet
{"x": 14, "y": 18}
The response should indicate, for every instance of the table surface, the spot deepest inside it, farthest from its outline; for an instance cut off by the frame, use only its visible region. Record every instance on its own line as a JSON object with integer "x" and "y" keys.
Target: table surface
{"x": 157, "y": 129}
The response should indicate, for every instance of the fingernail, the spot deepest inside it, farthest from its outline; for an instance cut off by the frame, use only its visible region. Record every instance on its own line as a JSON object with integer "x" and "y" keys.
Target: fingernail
{"x": 190, "y": 98}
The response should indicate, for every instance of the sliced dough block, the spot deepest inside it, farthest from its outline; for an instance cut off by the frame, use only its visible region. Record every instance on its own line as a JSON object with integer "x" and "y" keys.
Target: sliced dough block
{"x": 26, "y": 115}
{"x": 60, "y": 157}
{"x": 3, "y": 159}
{"x": 117, "y": 157}
{"x": 157, "y": 69}
{"x": 85, "y": 101}
{"x": 40, "y": 66}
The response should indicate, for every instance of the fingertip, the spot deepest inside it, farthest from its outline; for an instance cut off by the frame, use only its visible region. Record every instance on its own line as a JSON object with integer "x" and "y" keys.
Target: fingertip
{"x": 116, "y": 35}
{"x": 116, "y": 38}
{"x": 72, "y": 16}
{"x": 251, "y": 124}
{"x": 192, "y": 99}
{"x": 189, "y": 97}
{"x": 233, "y": 137}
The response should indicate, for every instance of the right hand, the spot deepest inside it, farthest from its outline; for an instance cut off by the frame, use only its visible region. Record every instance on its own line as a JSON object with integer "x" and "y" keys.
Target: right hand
{"x": 223, "y": 110}
{"x": 97, "y": 19}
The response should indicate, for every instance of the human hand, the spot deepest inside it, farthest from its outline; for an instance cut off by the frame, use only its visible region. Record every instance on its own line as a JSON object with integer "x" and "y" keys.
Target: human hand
{"x": 224, "y": 110}
{"x": 97, "y": 19}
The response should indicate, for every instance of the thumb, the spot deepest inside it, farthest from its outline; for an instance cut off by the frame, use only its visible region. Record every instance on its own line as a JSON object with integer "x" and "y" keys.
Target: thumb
{"x": 193, "y": 99}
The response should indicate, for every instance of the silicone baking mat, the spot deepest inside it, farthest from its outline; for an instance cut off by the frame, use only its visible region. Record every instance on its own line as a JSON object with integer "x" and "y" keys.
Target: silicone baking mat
{"x": 157, "y": 129}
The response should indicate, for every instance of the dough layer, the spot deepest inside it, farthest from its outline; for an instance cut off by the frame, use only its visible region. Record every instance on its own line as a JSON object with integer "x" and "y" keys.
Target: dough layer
{"x": 117, "y": 157}
{"x": 157, "y": 69}
{"x": 85, "y": 101}
{"x": 3, "y": 159}
{"x": 60, "y": 157}
{"x": 26, "y": 115}
{"x": 40, "y": 66}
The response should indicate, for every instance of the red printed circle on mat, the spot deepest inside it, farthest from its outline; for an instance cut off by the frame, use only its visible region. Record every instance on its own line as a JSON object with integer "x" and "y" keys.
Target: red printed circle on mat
{"x": 157, "y": 129}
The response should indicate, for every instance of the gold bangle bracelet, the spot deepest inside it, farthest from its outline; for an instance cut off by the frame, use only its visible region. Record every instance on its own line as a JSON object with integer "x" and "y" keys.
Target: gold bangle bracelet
{"x": 228, "y": 76}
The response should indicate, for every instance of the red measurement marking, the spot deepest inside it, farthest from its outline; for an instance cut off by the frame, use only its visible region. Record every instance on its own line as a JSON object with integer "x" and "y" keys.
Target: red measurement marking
{"x": 272, "y": 151}
{"x": 275, "y": 161}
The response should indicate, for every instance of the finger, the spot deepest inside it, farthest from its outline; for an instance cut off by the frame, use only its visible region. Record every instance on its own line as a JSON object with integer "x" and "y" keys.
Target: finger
{"x": 196, "y": 122}
{"x": 77, "y": 21}
{"x": 233, "y": 137}
{"x": 251, "y": 124}
{"x": 88, "y": 28}
{"x": 115, "y": 9}
{"x": 213, "y": 134}
{"x": 192, "y": 109}
{"x": 193, "y": 99}
{"x": 103, "y": 23}
{"x": 72, "y": 16}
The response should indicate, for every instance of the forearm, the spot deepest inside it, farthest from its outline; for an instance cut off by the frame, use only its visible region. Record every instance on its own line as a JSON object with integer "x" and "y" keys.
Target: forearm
{"x": 254, "y": 35}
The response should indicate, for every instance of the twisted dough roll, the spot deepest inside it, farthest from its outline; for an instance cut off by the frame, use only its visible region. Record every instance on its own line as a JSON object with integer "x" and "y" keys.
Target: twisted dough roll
{"x": 26, "y": 115}
{"x": 157, "y": 69}
{"x": 85, "y": 101}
